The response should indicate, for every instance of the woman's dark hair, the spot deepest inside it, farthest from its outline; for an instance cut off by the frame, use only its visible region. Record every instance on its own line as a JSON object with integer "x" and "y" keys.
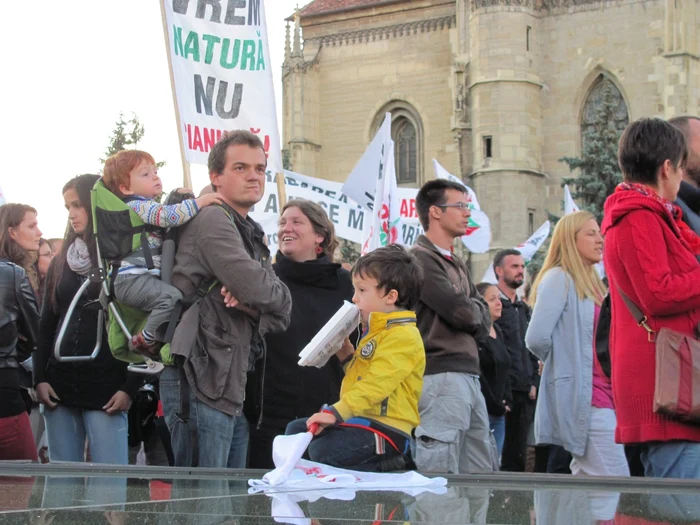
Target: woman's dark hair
{"x": 482, "y": 287}
{"x": 323, "y": 226}
{"x": 82, "y": 184}
{"x": 645, "y": 145}
{"x": 11, "y": 216}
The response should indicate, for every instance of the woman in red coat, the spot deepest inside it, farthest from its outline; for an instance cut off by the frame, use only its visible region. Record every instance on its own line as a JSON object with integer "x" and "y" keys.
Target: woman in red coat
{"x": 651, "y": 255}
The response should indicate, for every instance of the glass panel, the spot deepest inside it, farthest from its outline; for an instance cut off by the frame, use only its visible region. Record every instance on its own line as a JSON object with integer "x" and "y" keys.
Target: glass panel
{"x": 98, "y": 494}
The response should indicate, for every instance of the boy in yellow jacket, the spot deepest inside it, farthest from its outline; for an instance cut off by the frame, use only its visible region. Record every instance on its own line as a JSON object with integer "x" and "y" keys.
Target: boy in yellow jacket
{"x": 370, "y": 428}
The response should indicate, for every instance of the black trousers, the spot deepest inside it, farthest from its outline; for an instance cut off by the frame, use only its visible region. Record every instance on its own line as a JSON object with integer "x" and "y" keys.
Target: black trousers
{"x": 260, "y": 444}
{"x": 518, "y": 422}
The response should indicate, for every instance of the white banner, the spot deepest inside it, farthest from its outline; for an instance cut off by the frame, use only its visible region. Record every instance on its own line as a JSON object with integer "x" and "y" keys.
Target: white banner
{"x": 347, "y": 216}
{"x": 221, "y": 69}
{"x": 383, "y": 228}
{"x": 3, "y": 200}
{"x": 569, "y": 204}
{"x": 527, "y": 249}
{"x": 361, "y": 184}
{"x": 478, "y": 236}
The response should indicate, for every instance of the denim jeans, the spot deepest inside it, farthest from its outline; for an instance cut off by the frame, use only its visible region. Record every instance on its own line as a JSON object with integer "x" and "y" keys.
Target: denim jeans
{"x": 671, "y": 459}
{"x": 222, "y": 440}
{"x": 343, "y": 447}
{"x": 498, "y": 427}
{"x": 67, "y": 428}
{"x": 107, "y": 436}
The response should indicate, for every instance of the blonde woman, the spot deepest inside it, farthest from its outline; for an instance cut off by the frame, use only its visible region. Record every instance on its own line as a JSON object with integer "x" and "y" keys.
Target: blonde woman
{"x": 575, "y": 404}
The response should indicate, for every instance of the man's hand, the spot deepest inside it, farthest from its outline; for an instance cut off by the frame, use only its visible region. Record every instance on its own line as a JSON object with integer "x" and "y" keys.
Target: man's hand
{"x": 323, "y": 419}
{"x": 540, "y": 366}
{"x": 346, "y": 351}
{"x": 45, "y": 394}
{"x": 533, "y": 392}
{"x": 231, "y": 302}
{"x": 120, "y": 402}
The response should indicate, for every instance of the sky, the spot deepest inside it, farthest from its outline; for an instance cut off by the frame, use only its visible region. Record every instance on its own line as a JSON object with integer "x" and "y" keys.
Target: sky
{"x": 70, "y": 68}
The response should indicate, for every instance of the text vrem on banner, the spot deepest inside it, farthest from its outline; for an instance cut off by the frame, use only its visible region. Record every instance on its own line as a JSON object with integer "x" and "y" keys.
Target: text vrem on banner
{"x": 222, "y": 80}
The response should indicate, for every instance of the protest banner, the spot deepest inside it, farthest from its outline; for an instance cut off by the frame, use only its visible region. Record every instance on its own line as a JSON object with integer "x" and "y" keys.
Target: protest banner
{"x": 477, "y": 238}
{"x": 361, "y": 184}
{"x": 220, "y": 66}
{"x": 569, "y": 204}
{"x": 527, "y": 249}
{"x": 382, "y": 229}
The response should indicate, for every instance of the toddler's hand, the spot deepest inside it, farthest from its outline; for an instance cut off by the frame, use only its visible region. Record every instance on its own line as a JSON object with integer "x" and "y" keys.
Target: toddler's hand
{"x": 323, "y": 419}
{"x": 346, "y": 350}
{"x": 206, "y": 200}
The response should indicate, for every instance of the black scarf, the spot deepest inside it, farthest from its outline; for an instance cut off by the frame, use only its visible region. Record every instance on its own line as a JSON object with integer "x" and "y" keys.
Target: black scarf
{"x": 320, "y": 272}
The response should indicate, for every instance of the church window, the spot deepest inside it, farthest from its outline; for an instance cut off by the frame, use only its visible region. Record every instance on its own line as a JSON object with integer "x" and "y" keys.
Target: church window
{"x": 405, "y": 151}
{"x": 488, "y": 147}
{"x": 530, "y": 221}
{"x": 407, "y": 134}
{"x": 528, "y": 31}
{"x": 604, "y": 101}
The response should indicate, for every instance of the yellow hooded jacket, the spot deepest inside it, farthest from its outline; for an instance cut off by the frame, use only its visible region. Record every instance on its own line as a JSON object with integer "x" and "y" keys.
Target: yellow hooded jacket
{"x": 384, "y": 379}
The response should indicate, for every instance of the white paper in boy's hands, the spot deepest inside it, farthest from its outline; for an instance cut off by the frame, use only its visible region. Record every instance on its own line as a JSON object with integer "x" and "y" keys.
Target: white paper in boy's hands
{"x": 330, "y": 338}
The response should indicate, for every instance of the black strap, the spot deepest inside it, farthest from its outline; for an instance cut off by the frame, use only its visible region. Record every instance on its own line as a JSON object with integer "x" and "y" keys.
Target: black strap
{"x": 146, "y": 250}
{"x": 636, "y": 312}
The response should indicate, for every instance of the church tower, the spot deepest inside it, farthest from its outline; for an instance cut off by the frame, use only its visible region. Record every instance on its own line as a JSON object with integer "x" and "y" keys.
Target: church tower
{"x": 300, "y": 79}
{"x": 504, "y": 92}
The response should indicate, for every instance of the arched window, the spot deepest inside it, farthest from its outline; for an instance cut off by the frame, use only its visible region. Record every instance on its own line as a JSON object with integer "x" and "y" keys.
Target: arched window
{"x": 405, "y": 150}
{"x": 407, "y": 134}
{"x": 604, "y": 103}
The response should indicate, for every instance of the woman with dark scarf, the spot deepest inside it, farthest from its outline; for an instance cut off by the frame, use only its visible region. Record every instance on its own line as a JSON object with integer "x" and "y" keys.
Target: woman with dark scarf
{"x": 81, "y": 400}
{"x": 318, "y": 286}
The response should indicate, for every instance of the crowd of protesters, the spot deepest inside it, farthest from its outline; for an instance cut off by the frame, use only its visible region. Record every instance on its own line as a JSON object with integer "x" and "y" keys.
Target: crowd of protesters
{"x": 476, "y": 368}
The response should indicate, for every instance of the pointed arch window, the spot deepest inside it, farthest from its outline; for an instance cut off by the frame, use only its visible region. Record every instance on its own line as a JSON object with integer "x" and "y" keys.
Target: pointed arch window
{"x": 604, "y": 102}
{"x": 407, "y": 134}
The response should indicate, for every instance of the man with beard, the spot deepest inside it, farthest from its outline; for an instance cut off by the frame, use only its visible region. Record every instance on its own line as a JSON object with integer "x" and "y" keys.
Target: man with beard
{"x": 689, "y": 194}
{"x": 509, "y": 266}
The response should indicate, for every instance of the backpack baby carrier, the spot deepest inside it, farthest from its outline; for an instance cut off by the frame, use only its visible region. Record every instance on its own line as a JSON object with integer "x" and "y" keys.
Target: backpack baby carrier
{"x": 120, "y": 232}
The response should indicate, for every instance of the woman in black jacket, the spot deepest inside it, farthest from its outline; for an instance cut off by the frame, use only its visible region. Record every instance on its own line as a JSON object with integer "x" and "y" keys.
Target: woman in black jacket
{"x": 80, "y": 399}
{"x": 19, "y": 319}
{"x": 318, "y": 287}
{"x": 494, "y": 361}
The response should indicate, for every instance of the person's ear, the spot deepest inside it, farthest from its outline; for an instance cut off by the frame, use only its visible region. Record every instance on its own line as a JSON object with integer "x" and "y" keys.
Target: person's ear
{"x": 392, "y": 297}
{"x": 124, "y": 190}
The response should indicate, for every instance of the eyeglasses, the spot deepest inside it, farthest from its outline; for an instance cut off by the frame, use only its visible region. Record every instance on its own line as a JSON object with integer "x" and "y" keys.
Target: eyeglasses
{"x": 47, "y": 254}
{"x": 461, "y": 206}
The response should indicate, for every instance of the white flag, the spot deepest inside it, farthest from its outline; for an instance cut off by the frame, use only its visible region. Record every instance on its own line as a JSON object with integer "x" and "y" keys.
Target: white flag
{"x": 527, "y": 249}
{"x": 477, "y": 238}
{"x": 361, "y": 184}
{"x": 3, "y": 200}
{"x": 569, "y": 204}
{"x": 222, "y": 75}
{"x": 385, "y": 220}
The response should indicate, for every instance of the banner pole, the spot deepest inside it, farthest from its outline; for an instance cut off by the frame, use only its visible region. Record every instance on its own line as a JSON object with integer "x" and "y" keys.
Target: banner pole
{"x": 186, "y": 177}
{"x": 281, "y": 191}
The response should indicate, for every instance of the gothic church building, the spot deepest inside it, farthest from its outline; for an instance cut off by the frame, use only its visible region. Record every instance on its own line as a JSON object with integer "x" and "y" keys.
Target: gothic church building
{"x": 496, "y": 90}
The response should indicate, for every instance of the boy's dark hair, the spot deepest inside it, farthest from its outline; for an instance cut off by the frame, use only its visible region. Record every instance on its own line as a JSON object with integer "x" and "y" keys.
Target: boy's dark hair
{"x": 501, "y": 256}
{"x": 433, "y": 194}
{"x": 217, "y": 157}
{"x": 394, "y": 269}
{"x": 645, "y": 145}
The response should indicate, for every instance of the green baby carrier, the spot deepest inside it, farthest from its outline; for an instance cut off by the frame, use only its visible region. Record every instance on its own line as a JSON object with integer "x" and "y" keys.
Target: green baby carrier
{"x": 120, "y": 232}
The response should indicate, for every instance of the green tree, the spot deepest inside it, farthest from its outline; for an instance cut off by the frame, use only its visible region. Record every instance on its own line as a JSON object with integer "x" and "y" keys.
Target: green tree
{"x": 126, "y": 133}
{"x": 599, "y": 172}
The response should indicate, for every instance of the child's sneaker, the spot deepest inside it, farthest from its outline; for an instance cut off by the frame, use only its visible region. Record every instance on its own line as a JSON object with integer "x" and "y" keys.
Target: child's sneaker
{"x": 139, "y": 345}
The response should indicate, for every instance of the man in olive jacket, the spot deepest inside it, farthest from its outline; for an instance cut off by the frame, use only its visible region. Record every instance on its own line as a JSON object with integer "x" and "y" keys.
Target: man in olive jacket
{"x": 454, "y": 434}
{"x": 223, "y": 263}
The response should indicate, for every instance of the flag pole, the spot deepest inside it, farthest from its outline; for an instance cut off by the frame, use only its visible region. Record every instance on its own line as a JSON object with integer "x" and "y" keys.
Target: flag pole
{"x": 186, "y": 177}
{"x": 281, "y": 191}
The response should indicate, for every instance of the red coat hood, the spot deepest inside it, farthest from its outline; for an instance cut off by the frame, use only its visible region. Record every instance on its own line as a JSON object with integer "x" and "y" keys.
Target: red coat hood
{"x": 621, "y": 203}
